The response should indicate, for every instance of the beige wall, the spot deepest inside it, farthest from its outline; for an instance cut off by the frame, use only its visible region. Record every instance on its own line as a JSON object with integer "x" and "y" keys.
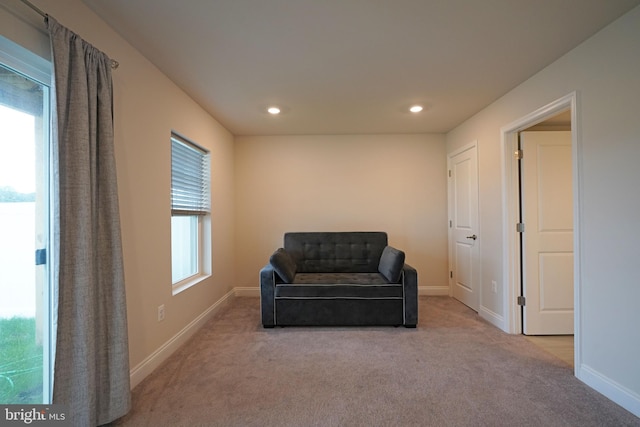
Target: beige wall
{"x": 605, "y": 73}
{"x": 26, "y": 28}
{"x": 392, "y": 183}
{"x": 147, "y": 108}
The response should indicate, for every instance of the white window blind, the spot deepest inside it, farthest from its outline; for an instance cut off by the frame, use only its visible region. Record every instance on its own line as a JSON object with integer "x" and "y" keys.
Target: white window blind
{"x": 190, "y": 178}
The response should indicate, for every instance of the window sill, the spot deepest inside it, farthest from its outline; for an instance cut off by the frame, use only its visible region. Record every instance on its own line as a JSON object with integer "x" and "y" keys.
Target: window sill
{"x": 185, "y": 284}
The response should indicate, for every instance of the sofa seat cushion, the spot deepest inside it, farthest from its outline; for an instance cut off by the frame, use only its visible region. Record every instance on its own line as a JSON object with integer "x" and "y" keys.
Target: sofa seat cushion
{"x": 340, "y": 279}
{"x": 339, "y": 285}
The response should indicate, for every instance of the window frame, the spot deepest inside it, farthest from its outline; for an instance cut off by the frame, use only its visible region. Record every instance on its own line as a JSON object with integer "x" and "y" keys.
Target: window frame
{"x": 202, "y": 213}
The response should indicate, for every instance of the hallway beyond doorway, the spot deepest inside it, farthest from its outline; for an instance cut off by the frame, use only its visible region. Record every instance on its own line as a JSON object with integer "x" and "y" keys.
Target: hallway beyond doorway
{"x": 560, "y": 346}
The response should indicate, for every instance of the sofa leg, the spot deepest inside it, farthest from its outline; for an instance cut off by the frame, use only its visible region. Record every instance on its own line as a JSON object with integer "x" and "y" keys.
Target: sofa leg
{"x": 410, "y": 326}
{"x": 268, "y": 326}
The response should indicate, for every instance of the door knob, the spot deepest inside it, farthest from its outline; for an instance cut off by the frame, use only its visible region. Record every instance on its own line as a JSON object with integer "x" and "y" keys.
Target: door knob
{"x": 474, "y": 237}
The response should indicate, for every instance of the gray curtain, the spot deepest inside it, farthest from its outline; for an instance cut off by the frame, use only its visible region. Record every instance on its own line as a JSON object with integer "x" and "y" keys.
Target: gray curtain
{"x": 92, "y": 359}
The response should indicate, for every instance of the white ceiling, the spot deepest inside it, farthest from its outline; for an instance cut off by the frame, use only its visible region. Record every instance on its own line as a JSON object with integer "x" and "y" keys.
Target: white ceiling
{"x": 352, "y": 66}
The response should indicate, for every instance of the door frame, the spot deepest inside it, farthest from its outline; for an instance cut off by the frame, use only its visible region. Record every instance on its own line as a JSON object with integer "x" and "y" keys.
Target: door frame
{"x": 450, "y": 237}
{"x": 510, "y": 210}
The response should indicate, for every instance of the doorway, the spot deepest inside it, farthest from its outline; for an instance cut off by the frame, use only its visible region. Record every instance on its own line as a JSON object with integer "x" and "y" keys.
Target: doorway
{"x": 514, "y": 252}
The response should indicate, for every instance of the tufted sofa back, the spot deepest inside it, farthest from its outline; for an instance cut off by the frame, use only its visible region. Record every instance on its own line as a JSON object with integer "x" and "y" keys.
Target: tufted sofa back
{"x": 336, "y": 252}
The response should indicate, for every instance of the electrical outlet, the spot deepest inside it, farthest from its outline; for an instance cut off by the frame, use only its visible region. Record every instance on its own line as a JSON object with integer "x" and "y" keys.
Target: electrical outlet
{"x": 494, "y": 286}
{"x": 160, "y": 313}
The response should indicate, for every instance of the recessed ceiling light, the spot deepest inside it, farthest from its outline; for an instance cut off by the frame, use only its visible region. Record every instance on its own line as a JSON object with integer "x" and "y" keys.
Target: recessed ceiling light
{"x": 273, "y": 110}
{"x": 416, "y": 109}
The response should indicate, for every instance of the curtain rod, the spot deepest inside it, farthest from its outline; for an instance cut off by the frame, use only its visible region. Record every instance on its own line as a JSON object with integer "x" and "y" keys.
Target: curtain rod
{"x": 114, "y": 64}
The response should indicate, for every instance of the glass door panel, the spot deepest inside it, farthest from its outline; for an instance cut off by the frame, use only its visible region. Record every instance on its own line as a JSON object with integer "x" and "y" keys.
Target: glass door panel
{"x": 25, "y": 296}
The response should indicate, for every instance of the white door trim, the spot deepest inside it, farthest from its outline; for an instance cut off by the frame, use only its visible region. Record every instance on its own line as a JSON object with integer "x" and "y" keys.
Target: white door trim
{"x": 511, "y": 249}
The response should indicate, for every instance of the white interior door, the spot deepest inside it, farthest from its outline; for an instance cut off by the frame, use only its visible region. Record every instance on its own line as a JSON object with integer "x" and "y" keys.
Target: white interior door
{"x": 464, "y": 259}
{"x": 547, "y": 210}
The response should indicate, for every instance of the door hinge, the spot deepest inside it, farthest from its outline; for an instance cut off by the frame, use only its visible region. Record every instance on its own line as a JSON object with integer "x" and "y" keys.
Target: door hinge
{"x": 450, "y": 223}
{"x": 41, "y": 256}
{"x": 518, "y": 154}
{"x": 520, "y": 227}
{"x": 449, "y": 173}
{"x": 522, "y": 301}
{"x": 451, "y": 274}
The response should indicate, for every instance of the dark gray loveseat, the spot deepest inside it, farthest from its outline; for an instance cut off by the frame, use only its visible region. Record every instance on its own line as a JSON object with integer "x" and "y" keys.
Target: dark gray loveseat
{"x": 338, "y": 279}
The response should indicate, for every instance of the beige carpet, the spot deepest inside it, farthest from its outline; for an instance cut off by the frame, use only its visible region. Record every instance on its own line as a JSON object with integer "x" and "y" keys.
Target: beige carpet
{"x": 453, "y": 370}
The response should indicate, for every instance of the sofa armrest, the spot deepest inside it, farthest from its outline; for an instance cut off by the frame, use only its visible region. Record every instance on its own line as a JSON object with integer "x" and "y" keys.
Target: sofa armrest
{"x": 267, "y": 295}
{"x": 410, "y": 284}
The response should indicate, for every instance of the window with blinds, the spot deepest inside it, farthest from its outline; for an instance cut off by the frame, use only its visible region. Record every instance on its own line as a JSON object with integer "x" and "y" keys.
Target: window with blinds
{"x": 190, "y": 213}
{"x": 190, "y": 178}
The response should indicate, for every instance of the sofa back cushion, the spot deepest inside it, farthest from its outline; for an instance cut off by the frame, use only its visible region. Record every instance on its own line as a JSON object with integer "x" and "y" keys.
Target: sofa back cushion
{"x": 336, "y": 252}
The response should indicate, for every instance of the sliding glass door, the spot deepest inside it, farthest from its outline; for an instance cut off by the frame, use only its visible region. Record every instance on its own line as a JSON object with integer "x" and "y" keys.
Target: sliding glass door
{"x": 26, "y": 326}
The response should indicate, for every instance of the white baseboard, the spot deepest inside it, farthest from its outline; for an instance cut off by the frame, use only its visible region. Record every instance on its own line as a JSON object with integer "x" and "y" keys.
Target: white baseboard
{"x": 621, "y": 395}
{"x": 492, "y": 317}
{"x": 247, "y": 291}
{"x": 433, "y": 290}
{"x": 155, "y": 359}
